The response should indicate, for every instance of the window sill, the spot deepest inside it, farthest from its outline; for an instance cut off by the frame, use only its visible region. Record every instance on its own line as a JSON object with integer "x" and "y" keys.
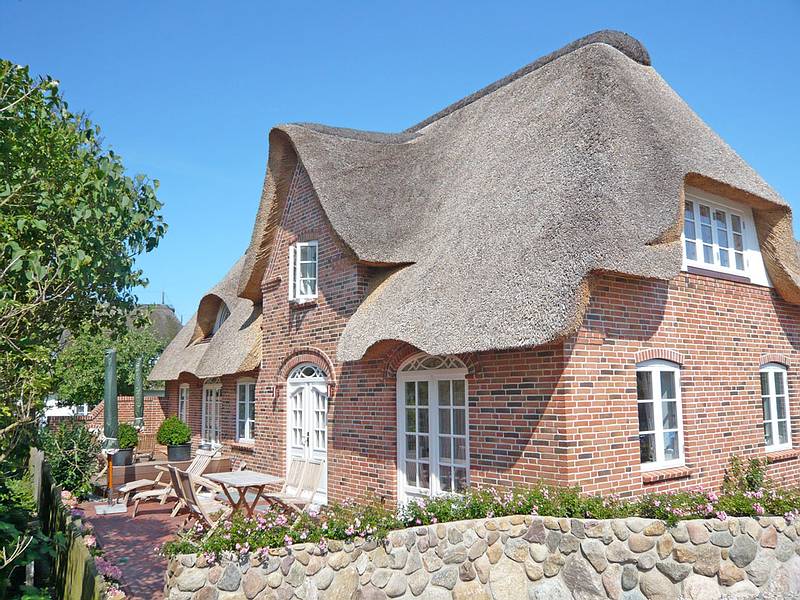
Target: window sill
{"x": 781, "y": 455}
{"x": 302, "y": 304}
{"x": 718, "y": 274}
{"x": 666, "y": 474}
{"x": 244, "y": 445}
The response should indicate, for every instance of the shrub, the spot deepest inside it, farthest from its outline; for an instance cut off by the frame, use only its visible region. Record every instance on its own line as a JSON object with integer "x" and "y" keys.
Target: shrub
{"x": 71, "y": 452}
{"x": 173, "y": 432}
{"x": 127, "y": 436}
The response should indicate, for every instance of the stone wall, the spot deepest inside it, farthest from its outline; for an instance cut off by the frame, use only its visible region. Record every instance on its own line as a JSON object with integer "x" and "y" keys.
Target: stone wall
{"x": 517, "y": 558}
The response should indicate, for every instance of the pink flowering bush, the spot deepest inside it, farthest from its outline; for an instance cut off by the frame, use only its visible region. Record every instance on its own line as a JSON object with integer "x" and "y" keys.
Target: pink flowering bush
{"x": 746, "y": 493}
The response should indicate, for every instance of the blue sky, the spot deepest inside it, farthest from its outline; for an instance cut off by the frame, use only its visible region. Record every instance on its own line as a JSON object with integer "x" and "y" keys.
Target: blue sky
{"x": 187, "y": 91}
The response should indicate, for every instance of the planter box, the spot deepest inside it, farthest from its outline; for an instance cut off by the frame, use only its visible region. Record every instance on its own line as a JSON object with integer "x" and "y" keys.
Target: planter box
{"x": 178, "y": 453}
{"x": 122, "y": 457}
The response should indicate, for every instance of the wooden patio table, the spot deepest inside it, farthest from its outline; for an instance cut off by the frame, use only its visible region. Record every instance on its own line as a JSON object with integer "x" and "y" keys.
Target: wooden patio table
{"x": 242, "y": 481}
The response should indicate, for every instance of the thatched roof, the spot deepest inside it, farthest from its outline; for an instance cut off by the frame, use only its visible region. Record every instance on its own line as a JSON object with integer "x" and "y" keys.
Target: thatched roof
{"x": 494, "y": 212}
{"x": 234, "y": 348}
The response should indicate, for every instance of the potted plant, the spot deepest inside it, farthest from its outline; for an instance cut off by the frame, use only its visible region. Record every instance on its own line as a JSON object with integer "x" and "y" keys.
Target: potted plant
{"x": 175, "y": 435}
{"x": 127, "y": 438}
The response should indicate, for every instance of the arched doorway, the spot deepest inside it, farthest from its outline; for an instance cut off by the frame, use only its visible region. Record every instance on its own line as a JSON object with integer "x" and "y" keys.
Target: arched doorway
{"x": 432, "y": 426}
{"x": 307, "y": 420}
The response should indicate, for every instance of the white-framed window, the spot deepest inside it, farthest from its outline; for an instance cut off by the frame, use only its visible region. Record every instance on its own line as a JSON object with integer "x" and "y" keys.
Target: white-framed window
{"x": 223, "y": 312}
{"x": 775, "y": 406}
{"x": 303, "y": 271}
{"x": 658, "y": 394}
{"x": 210, "y": 417}
{"x": 433, "y": 427}
{"x": 720, "y": 235}
{"x": 245, "y": 410}
{"x": 183, "y": 402}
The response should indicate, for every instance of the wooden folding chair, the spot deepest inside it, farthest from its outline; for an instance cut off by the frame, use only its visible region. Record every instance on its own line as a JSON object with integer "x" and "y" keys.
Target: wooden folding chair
{"x": 299, "y": 495}
{"x": 146, "y": 448}
{"x": 208, "y": 510}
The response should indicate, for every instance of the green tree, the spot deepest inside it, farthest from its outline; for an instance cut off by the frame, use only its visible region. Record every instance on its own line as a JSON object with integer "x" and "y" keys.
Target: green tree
{"x": 79, "y": 375}
{"x": 71, "y": 225}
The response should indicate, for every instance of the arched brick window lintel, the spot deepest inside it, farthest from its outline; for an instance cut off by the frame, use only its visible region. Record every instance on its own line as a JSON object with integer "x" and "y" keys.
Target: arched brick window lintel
{"x": 658, "y": 353}
{"x": 308, "y": 355}
{"x": 774, "y": 357}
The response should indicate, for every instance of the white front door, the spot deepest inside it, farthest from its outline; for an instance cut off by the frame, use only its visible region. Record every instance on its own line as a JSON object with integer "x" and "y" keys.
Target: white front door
{"x": 210, "y": 421}
{"x": 307, "y": 421}
{"x": 433, "y": 439}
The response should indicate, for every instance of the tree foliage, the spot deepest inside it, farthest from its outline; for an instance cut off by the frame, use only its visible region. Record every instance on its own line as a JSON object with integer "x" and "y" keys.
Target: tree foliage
{"x": 71, "y": 225}
{"x": 79, "y": 369}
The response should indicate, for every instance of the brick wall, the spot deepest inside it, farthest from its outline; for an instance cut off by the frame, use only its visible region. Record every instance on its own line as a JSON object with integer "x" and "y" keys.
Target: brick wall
{"x": 155, "y": 411}
{"x": 562, "y": 413}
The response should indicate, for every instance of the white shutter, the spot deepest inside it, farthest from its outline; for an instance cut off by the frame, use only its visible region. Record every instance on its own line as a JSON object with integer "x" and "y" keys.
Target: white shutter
{"x": 292, "y": 258}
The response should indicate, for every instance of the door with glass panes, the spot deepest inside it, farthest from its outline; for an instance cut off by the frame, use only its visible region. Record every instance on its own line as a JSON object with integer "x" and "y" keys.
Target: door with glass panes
{"x": 307, "y": 420}
{"x": 210, "y": 414}
{"x": 433, "y": 427}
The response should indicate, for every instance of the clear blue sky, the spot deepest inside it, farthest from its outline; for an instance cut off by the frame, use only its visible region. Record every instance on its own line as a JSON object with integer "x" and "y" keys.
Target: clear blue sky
{"x": 187, "y": 91}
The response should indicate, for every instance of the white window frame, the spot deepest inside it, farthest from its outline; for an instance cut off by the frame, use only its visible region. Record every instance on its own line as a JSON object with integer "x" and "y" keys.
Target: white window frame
{"x": 204, "y": 415}
{"x": 183, "y": 402}
{"x": 295, "y": 270}
{"x": 249, "y": 419}
{"x": 656, "y": 367}
{"x": 432, "y": 376}
{"x": 223, "y": 312}
{"x": 754, "y": 268}
{"x": 771, "y": 369}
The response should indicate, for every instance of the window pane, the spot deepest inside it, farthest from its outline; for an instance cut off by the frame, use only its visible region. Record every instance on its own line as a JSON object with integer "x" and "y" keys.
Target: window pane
{"x": 669, "y": 414}
{"x": 708, "y": 255}
{"x": 780, "y": 406}
{"x": 240, "y": 429}
{"x": 446, "y": 479}
{"x": 444, "y": 393}
{"x": 719, "y": 218}
{"x": 739, "y": 261}
{"x": 688, "y": 230}
{"x": 668, "y": 385}
{"x": 422, "y": 392}
{"x": 459, "y": 421}
{"x": 688, "y": 211}
{"x": 458, "y": 392}
{"x": 411, "y": 473}
{"x": 424, "y": 450}
{"x": 671, "y": 450}
{"x": 783, "y": 432}
{"x": 410, "y": 395}
{"x": 768, "y": 434}
{"x": 411, "y": 420}
{"x": 723, "y": 258}
{"x": 736, "y": 223}
{"x": 424, "y": 475}
{"x": 444, "y": 449}
{"x": 647, "y": 448}
{"x": 646, "y": 418}
{"x": 764, "y": 383}
{"x": 444, "y": 420}
{"x": 705, "y": 215}
{"x": 778, "y": 377}
{"x": 722, "y": 238}
{"x": 308, "y": 253}
{"x": 411, "y": 446}
{"x": 308, "y": 270}
{"x": 705, "y": 230}
{"x": 766, "y": 408}
{"x": 691, "y": 250}
{"x": 423, "y": 420}
{"x": 644, "y": 385}
{"x": 460, "y": 479}
{"x": 737, "y": 242}
{"x": 460, "y": 449}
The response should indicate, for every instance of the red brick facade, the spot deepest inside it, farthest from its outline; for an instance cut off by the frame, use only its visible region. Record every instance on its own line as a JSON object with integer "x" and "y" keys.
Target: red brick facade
{"x": 563, "y": 413}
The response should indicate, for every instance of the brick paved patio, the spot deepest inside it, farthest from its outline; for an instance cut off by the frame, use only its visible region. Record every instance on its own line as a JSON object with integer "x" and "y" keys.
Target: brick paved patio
{"x": 130, "y": 543}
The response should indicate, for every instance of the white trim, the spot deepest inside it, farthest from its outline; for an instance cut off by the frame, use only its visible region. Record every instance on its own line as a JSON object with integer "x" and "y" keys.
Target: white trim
{"x": 250, "y": 419}
{"x": 204, "y": 416}
{"x": 773, "y": 416}
{"x": 183, "y": 402}
{"x": 754, "y": 268}
{"x": 656, "y": 367}
{"x": 295, "y": 271}
{"x": 223, "y": 312}
{"x": 432, "y": 377}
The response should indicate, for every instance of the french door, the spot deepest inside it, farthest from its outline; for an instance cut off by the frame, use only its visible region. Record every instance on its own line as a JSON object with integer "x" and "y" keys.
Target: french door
{"x": 433, "y": 428}
{"x": 307, "y": 421}
{"x": 210, "y": 427}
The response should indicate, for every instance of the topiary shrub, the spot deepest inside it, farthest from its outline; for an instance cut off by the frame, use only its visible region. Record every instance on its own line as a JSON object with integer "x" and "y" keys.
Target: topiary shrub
{"x": 173, "y": 432}
{"x": 127, "y": 436}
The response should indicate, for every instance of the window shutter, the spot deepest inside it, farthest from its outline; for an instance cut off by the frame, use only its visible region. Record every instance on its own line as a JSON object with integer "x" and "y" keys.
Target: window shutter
{"x": 291, "y": 271}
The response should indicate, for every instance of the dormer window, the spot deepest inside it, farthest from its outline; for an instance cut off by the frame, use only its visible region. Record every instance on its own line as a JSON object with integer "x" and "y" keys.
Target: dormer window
{"x": 222, "y": 313}
{"x": 303, "y": 275}
{"x": 720, "y": 235}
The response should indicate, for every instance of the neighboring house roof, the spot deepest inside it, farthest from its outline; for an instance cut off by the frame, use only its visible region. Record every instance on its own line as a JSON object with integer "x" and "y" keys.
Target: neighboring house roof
{"x": 494, "y": 212}
{"x": 234, "y": 348}
{"x": 164, "y": 324}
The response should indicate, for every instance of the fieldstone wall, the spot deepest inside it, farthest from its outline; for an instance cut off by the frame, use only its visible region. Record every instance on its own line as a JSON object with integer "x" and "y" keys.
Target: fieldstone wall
{"x": 518, "y": 558}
